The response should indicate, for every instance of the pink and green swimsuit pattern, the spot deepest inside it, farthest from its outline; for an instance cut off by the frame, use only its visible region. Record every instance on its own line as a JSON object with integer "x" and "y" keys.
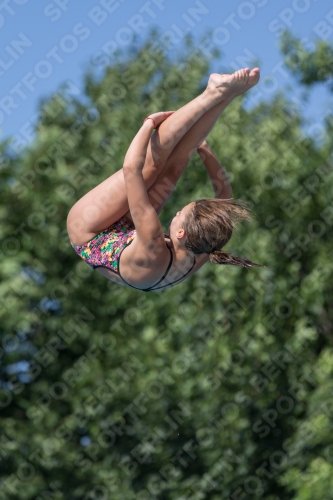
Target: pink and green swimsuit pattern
{"x": 105, "y": 248}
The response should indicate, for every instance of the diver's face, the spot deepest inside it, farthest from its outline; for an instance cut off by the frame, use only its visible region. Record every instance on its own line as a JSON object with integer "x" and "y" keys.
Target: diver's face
{"x": 179, "y": 218}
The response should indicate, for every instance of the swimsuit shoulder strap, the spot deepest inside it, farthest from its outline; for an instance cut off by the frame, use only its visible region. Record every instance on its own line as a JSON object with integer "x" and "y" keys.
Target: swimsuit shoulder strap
{"x": 164, "y": 275}
{"x": 169, "y": 284}
{"x": 166, "y": 272}
{"x": 159, "y": 281}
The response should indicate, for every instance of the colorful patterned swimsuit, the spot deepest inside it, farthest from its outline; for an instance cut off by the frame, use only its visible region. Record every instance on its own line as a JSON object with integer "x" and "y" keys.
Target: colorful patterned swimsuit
{"x": 105, "y": 249}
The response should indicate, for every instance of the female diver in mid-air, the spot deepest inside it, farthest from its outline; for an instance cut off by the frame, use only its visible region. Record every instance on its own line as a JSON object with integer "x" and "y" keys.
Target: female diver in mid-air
{"x": 119, "y": 217}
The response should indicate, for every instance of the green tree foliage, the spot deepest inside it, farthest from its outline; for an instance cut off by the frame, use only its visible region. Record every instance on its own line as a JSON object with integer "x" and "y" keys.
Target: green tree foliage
{"x": 310, "y": 474}
{"x": 312, "y": 62}
{"x": 217, "y": 388}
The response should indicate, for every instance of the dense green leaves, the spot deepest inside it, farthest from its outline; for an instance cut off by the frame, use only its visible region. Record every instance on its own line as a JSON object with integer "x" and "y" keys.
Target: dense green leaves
{"x": 217, "y": 388}
{"x": 311, "y": 63}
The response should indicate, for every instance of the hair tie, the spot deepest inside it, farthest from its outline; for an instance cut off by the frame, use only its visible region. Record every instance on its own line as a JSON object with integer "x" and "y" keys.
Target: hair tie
{"x": 150, "y": 118}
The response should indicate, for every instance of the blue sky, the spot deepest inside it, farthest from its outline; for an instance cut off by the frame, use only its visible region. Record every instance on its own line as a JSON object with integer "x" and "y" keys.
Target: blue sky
{"x": 44, "y": 44}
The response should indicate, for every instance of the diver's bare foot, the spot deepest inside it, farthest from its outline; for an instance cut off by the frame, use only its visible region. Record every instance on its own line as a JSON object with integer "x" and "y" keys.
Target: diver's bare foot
{"x": 254, "y": 78}
{"x": 225, "y": 86}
